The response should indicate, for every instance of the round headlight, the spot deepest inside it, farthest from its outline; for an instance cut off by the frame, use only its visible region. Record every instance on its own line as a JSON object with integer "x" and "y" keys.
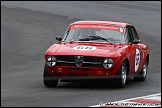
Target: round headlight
{"x": 51, "y": 61}
{"x": 108, "y": 63}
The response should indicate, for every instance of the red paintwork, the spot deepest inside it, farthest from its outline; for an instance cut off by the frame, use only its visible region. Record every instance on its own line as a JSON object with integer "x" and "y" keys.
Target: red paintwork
{"x": 118, "y": 52}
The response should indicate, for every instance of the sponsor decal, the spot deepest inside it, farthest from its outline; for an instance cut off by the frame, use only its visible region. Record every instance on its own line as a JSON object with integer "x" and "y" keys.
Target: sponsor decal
{"x": 84, "y": 48}
{"x": 121, "y": 30}
{"x": 92, "y": 26}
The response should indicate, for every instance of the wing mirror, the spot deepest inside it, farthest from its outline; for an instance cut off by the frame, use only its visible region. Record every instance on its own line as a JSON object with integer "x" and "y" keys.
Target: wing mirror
{"x": 136, "y": 41}
{"x": 59, "y": 38}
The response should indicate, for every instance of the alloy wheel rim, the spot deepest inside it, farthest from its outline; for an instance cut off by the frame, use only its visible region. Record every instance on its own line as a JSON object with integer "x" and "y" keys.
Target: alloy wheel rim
{"x": 144, "y": 70}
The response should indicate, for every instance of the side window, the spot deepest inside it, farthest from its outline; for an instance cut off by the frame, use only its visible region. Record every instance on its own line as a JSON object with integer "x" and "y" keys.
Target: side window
{"x": 129, "y": 34}
{"x": 134, "y": 33}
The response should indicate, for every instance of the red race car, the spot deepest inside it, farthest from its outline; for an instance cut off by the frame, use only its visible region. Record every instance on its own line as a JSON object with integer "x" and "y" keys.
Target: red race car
{"x": 97, "y": 50}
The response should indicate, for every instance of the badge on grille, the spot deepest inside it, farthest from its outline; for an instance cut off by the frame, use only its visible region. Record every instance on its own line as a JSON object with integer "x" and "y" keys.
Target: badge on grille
{"x": 79, "y": 60}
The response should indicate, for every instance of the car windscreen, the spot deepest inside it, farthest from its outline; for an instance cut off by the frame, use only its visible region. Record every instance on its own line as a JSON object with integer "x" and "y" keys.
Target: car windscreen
{"x": 96, "y": 33}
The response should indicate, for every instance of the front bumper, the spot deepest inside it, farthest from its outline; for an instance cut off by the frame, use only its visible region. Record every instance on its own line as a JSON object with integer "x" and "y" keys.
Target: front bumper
{"x": 82, "y": 73}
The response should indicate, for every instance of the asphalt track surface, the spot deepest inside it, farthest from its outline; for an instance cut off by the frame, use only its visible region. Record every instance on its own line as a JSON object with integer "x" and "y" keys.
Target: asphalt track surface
{"x": 28, "y": 29}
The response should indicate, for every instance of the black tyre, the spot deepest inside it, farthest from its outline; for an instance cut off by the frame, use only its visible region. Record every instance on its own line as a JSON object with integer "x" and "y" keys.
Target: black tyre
{"x": 142, "y": 75}
{"x": 48, "y": 80}
{"x": 120, "y": 80}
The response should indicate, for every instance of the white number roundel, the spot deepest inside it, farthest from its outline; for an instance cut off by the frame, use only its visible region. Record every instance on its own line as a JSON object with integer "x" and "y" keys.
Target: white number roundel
{"x": 137, "y": 59}
{"x": 85, "y": 48}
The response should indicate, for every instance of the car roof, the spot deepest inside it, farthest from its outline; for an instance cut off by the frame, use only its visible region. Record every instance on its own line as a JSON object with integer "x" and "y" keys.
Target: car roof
{"x": 123, "y": 24}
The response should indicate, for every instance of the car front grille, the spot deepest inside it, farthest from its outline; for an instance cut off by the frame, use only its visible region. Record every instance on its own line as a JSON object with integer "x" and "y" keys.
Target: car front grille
{"x": 88, "y": 61}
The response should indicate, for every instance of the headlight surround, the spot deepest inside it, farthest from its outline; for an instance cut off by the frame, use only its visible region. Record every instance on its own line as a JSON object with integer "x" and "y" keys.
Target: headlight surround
{"x": 51, "y": 61}
{"x": 108, "y": 63}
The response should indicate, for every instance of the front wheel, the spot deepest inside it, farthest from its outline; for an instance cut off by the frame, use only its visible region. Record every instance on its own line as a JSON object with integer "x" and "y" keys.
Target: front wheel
{"x": 48, "y": 80}
{"x": 120, "y": 80}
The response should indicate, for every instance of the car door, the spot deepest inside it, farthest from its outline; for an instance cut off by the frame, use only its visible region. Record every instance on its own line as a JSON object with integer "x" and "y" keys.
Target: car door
{"x": 138, "y": 50}
{"x": 139, "y": 58}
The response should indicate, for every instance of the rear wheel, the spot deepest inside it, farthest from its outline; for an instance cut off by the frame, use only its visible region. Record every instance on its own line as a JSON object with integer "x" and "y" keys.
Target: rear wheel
{"x": 142, "y": 75}
{"x": 120, "y": 80}
{"x": 48, "y": 80}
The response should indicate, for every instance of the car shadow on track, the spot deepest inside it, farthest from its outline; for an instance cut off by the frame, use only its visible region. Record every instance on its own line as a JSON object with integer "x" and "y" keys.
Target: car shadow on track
{"x": 95, "y": 84}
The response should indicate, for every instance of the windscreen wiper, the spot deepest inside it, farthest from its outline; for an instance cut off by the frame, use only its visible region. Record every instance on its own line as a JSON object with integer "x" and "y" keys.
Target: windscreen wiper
{"x": 84, "y": 39}
{"x": 87, "y": 39}
{"x": 99, "y": 37}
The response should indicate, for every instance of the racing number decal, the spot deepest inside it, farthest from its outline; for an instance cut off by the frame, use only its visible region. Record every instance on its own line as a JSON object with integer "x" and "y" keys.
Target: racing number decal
{"x": 84, "y": 48}
{"x": 137, "y": 60}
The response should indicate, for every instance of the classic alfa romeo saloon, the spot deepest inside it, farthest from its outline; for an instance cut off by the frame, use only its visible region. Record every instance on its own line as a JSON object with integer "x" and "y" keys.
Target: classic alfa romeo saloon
{"x": 97, "y": 50}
